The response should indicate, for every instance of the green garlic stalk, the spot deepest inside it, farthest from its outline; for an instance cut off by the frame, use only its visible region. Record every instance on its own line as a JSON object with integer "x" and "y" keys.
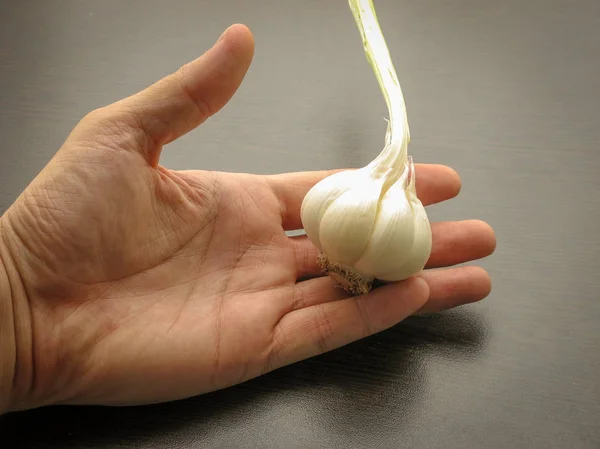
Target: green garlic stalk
{"x": 368, "y": 224}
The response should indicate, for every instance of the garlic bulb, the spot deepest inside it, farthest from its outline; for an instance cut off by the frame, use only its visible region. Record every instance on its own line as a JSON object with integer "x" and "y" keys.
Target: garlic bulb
{"x": 368, "y": 224}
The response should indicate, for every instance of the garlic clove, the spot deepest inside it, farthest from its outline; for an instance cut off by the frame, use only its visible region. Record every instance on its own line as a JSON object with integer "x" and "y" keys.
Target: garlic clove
{"x": 319, "y": 198}
{"x": 420, "y": 249}
{"x": 346, "y": 226}
{"x": 392, "y": 235}
{"x": 419, "y": 253}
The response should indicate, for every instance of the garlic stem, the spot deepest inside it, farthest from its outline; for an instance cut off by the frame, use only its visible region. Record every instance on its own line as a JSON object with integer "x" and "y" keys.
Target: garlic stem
{"x": 378, "y": 55}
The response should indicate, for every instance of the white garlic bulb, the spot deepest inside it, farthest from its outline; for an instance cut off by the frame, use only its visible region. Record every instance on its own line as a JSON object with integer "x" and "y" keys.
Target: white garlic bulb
{"x": 368, "y": 224}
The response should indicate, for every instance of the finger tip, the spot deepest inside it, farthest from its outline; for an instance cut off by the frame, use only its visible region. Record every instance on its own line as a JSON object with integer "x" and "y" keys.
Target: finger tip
{"x": 486, "y": 281}
{"x": 238, "y": 39}
{"x": 437, "y": 183}
{"x": 242, "y": 31}
{"x": 480, "y": 278}
{"x": 455, "y": 180}
{"x": 488, "y": 237}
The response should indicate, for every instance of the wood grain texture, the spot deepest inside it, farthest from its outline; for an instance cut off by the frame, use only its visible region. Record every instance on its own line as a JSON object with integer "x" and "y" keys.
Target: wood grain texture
{"x": 505, "y": 92}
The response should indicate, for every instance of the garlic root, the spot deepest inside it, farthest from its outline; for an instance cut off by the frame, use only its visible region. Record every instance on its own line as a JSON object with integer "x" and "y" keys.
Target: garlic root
{"x": 345, "y": 276}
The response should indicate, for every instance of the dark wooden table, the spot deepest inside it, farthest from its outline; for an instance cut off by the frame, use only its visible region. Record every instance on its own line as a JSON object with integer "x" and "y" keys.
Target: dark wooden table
{"x": 508, "y": 93}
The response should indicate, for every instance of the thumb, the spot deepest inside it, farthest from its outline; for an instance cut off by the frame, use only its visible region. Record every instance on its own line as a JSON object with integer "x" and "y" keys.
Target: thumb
{"x": 183, "y": 100}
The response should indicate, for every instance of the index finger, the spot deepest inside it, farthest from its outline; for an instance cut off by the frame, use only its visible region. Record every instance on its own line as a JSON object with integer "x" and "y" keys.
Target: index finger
{"x": 435, "y": 183}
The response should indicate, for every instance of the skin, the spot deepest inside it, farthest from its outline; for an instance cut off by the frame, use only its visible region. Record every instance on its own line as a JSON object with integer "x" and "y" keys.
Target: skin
{"x": 123, "y": 282}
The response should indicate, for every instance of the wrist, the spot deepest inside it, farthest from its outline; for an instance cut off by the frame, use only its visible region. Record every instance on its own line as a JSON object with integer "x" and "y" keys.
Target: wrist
{"x": 8, "y": 352}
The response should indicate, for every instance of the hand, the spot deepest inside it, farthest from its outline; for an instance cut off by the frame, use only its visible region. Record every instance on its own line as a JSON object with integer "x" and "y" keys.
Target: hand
{"x": 132, "y": 283}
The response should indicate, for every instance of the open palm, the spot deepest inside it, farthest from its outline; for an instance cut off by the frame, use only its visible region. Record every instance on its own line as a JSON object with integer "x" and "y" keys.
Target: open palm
{"x": 146, "y": 284}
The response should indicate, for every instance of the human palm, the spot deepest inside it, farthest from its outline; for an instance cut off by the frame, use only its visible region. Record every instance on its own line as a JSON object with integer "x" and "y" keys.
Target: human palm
{"x": 145, "y": 284}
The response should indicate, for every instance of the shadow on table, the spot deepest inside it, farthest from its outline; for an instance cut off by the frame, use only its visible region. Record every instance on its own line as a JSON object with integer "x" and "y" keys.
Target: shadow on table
{"x": 353, "y": 387}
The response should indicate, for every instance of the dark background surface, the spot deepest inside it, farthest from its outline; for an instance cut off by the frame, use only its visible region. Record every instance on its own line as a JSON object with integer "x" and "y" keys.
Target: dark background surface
{"x": 507, "y": 93}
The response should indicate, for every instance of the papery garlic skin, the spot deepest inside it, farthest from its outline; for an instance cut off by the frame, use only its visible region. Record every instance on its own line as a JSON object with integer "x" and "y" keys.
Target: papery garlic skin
{"x": 368, "y": 223}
